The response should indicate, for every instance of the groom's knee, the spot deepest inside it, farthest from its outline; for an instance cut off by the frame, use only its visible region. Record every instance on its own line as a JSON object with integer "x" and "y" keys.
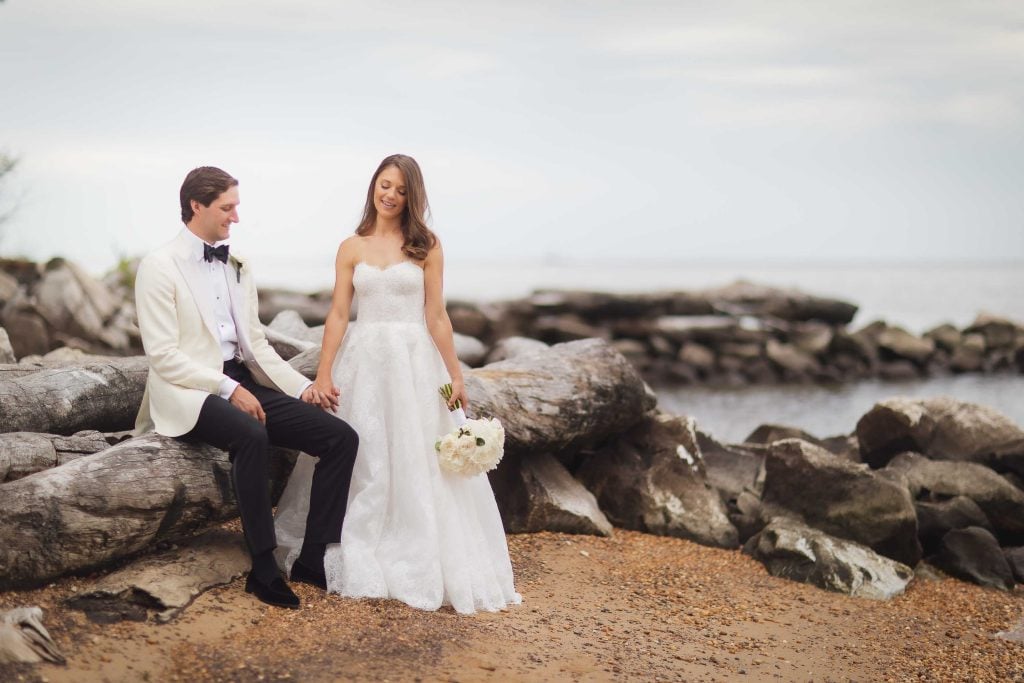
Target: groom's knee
{"x": 346, "y": 440}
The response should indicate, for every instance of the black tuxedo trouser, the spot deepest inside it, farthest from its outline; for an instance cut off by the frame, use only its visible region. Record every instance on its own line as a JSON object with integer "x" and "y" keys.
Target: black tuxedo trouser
{"x": 291, "y": 423}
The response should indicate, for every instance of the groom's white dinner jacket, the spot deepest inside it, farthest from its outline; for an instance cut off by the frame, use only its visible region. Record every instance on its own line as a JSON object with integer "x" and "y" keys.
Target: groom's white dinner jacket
{"x": 179, "y": 334}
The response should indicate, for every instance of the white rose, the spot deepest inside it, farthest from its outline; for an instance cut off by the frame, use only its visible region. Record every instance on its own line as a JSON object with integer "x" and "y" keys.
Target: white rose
{"x": 446, "y": 449}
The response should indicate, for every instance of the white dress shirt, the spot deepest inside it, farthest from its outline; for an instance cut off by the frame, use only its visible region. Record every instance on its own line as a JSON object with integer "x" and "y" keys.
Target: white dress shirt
{"x": 216, "y": 275}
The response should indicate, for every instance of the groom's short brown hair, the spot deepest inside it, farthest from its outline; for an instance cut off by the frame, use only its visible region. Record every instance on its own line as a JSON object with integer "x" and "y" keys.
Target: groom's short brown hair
{"x": 203, "y": 184}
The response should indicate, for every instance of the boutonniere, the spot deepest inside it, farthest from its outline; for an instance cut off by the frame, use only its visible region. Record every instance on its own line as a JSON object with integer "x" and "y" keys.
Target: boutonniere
{"x": 238, "y": 265}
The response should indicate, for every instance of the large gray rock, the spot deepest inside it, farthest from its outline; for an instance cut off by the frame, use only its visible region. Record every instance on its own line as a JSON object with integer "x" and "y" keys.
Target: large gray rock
{"x": 469, "y": 350}
{"x": 555, "y": 329}
{"x": 900, "y": 343}
{"x": 291, "y": 324}
{"x": 945, "y": 336}
{"x": 74, "y": 303}
{"x": 704, "y": 329}
{"x": 470, "y": 319}
{"x": 790, "y": 359}
{"x": 973, "y": 554}
{"x": 999, "y": 332}
{"x": 843, "y": 446}
{"x": 786, "y": 304}
{"x": 793, "y": 550}
{"x": 597, "y": 305}
{"x": 935, "y": 519}
{"x": 312, "y": 308}
{"x": 737, "y": 473}
{"x": 514, "y": 347}
{"x": 811, "y": 337}
{"x": 940, "y": 428}
{"x": 697, "y": 356}
{"x": 8, "y": 286}
{"x": 969, "y": 354}
{"x": 167, "y": 581}
{"x": 841, "y": 498}
{"x": 25, "y": 453}
{"x": 285, "y": 345}
{"x": 636, "y": 352}
{"x": 28, "y": 331}
{"x": 1015, "y": 558}
{"x": 537, "y": 493}
{"x": 730, "y": 468}
{"x": 1001, "y": 501}
{"x": 6, "y": 350}
{"x": 652, "y": 479}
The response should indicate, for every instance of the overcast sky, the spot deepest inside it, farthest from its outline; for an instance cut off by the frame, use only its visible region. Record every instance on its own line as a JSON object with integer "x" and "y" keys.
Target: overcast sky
{"x": 671, "y": 131}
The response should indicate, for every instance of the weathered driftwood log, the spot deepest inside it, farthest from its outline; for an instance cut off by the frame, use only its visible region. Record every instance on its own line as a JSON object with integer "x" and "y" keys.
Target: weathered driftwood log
{"x": 110, "y": 505}
{"x": 103, "y": 396}
{"x": 25, "y": 453}
{"x": 572, "y": 396}
{"x": 10, "y": 371}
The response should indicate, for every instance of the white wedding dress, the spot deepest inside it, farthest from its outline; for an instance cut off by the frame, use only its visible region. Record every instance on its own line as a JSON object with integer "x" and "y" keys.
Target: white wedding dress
{"x": 412, "y": 531}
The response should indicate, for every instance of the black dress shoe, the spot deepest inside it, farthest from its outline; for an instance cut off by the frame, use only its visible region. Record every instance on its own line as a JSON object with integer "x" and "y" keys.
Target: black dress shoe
{"x": 303, "y": 574}
{"x": 276, "y": 593}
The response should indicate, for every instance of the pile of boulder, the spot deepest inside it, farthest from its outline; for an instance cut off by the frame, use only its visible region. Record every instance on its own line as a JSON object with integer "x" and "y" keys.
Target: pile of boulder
{"x": 55, "y": 305}
{"x": 734, "y": 335}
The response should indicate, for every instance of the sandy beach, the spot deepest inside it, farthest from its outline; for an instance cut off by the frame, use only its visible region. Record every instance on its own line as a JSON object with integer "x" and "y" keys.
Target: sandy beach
{"x": 633, "y": 607}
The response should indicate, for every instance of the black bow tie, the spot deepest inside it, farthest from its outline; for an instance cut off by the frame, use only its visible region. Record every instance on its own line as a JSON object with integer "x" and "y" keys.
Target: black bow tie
{"x": 220, "y": 253}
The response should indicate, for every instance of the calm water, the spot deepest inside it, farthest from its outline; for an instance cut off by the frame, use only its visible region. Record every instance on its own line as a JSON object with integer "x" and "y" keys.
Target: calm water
{"x": 731, "y": 414}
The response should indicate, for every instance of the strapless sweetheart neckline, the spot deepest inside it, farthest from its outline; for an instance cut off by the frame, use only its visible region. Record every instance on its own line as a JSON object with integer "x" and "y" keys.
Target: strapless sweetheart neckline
{"x": 387, "y": 267}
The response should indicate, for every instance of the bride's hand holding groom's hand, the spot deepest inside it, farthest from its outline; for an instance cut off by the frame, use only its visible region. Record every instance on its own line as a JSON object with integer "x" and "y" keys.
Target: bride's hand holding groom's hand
{"x": 323, "y": 393}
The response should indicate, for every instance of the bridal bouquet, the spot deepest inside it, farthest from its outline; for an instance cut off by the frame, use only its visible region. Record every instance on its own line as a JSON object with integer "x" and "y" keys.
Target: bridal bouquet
{"x": 474, "y": 447}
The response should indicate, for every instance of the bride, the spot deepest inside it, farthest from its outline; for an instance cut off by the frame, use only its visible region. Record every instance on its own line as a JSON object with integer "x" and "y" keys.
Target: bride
{"x": 412, "y": 531}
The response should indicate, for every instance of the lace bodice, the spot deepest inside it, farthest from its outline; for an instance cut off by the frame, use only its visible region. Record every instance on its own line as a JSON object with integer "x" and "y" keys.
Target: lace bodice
{"x": 390, "y": 294}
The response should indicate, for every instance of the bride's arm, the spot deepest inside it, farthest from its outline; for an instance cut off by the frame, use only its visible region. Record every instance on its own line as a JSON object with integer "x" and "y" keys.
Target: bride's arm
{"x": 337, "y": 317}
{"x": 439, "y": 324}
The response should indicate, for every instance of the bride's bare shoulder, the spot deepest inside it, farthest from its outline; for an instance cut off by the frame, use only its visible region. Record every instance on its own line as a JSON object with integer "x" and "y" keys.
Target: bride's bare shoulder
{"x": 350, "y": 250}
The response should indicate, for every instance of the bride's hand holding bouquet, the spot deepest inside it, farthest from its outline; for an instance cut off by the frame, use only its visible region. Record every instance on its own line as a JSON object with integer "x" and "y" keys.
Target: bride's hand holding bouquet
{"x": 474, "y": 446}
{"x": 455, "y": 395}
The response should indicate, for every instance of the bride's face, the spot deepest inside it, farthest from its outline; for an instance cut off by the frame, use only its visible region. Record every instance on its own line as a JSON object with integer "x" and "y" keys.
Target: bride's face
{"x": 389, "y": 193}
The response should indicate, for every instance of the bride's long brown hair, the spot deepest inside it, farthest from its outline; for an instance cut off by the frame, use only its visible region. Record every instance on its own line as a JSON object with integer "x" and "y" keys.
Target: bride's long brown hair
{"x": 419, "y": 239}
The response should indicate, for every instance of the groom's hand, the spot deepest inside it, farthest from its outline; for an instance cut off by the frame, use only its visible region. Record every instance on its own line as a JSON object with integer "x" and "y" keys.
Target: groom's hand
{"x": 243, "y": 399}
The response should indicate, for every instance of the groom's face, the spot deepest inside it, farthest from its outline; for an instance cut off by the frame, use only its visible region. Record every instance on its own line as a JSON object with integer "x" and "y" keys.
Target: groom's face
{"x": 214, "y": 222}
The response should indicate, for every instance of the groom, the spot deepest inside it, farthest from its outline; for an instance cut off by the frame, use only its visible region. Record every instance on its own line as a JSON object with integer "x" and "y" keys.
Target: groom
{"x": 214, "y": 379}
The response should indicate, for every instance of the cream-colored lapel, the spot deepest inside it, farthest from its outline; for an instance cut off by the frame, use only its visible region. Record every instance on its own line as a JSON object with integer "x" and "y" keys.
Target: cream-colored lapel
{"x": 197, "y": 284}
